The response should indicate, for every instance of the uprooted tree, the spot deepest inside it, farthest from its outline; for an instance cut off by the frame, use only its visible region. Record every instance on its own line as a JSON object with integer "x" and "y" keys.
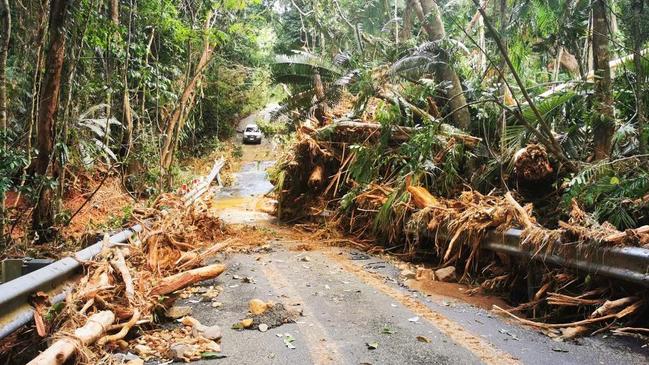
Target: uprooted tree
{"x": 440, "y": 133}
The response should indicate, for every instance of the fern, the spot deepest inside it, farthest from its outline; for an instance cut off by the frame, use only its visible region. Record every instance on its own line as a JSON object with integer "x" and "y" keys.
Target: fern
{"x": 608, "y": 189}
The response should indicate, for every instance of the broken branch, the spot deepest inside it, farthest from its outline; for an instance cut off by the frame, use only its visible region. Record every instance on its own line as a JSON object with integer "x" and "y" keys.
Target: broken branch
{"x": 62, "y": 349}
{"x": 178, "y": 281}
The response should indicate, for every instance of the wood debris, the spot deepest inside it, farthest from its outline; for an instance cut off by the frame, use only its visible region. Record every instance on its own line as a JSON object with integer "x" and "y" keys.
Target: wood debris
{"x": 125, "y": 284}
{"x": 350, "y": 175}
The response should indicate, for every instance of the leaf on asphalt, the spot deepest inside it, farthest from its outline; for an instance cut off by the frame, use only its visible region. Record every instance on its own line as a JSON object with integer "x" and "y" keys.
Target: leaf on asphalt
{"x": 387, "y": 330}
{"x": 423, "y": 339}
{"x": 288, "y": 341}
{"x": 505, "y": 332}
{"x": 558, "y": 349}
{"x": 372, "y": 345}
{"x": 212, "y": 355}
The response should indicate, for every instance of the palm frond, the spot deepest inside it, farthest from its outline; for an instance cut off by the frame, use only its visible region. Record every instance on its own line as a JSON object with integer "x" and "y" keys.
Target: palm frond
{"x": 548, "y": 106}
{"x": 300, "y": 67}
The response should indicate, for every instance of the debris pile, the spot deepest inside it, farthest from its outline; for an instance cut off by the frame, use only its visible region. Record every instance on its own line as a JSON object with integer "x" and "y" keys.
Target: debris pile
{"x": 265, "y": 315}
{"x": 114, "y": 307}
{"x": 374, "y": 180}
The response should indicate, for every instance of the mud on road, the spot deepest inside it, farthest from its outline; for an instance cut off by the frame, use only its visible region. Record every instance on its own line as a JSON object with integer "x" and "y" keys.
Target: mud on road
{"x": 357, "y": 308}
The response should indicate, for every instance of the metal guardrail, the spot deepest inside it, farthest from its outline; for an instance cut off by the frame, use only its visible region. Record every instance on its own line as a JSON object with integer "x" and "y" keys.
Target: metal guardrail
{"x": 629, "y": 264}
{"x": 15, "y": 312}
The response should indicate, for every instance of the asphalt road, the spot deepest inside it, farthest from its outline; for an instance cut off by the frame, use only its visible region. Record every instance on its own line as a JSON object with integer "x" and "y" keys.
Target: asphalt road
{"x": 349, "y": 300}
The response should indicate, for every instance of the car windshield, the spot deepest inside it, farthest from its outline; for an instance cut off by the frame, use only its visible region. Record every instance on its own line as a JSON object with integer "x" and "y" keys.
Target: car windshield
{"x": 251, "y": 129}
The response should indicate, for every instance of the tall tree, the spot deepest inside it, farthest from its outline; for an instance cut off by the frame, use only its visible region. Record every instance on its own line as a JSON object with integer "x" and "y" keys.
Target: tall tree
{"x": 638, "y": 6}
{"x": 5, "y": 35}
{"x": 43, "y": 215}
{"x": 185, "y": 102}
{"x": 5, "y": 17}
{"x": 603, "y": 120}
{"x": 430, "y": 17}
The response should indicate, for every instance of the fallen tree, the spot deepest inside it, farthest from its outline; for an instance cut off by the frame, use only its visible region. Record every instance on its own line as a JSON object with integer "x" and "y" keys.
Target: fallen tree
{"x": 357, "y": 132}
{"x": 359, "y": 176}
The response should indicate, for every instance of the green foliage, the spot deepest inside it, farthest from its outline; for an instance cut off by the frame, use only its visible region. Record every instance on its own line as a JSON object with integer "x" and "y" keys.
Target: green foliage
{"x": 366, "y": 164}
{"x": 347, "y": 201}
{"x": 613, "y": 191}
{"x": 389, "y": 213}
{"x": 12, "y": 161}
{"x": 272, "y": 128}
{"x": 237, "y": 152}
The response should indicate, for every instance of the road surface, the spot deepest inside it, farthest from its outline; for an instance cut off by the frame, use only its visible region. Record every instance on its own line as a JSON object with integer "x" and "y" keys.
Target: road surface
{"x": 356, "y": 309}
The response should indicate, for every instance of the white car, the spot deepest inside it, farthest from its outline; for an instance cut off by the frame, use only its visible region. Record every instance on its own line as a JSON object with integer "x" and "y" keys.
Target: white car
{"x": 252, "y": 134}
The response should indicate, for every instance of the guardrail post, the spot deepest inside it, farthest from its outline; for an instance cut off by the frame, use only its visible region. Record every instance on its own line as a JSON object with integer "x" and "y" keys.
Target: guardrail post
{"x": 11, "y": 269}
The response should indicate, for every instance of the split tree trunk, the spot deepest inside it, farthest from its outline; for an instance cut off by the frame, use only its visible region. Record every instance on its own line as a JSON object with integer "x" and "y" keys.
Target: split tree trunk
{"x": 62, "y": 349}
{"x": 427, "y": 9}
{"x": 603, "y": 122}
{"x": 43, "y": 216}
{"x": 5, "y": 34}
{"x": 181, "y": 280}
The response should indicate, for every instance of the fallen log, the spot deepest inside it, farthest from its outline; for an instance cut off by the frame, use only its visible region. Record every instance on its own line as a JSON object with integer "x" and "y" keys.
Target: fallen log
{"x": 359, "y": 131}
{"x": 62, "y": 349}
{"x": 181, "y": 280}
{"x": 198, "y": 258}
{"x": 619, "y": 237}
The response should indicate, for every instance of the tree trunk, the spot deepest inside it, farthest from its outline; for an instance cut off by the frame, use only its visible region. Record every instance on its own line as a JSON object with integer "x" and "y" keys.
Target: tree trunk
{"x": 183, "y": 107}
{"x": 127, "y": 115}
{"x": 73, "y": 62}
{"x": 5, "y": 16}
{"x": 5, "y": 34}
{"x": 640, "y": 76}
{"x": 504, "y": 89}
{"x": 406, "y": 30}
{"x": 43, "y": 215}
{"x": 603, "y": 122}
{"x": 321, "y": 106}
{"x": 426, "y": 9}
{"x": 114, "y": 11}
